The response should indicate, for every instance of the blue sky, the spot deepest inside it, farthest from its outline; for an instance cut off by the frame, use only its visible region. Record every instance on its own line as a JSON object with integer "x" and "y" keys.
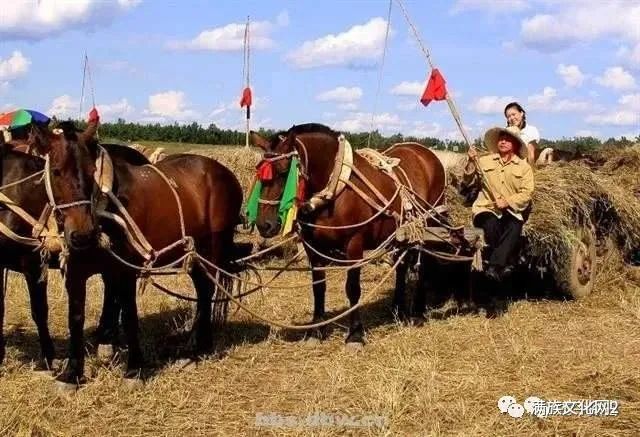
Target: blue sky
{"x": 573, "y": 64}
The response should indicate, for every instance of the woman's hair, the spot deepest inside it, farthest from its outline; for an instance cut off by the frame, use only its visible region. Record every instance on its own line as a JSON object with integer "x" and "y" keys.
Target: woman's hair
{"x": 519, "y": 108}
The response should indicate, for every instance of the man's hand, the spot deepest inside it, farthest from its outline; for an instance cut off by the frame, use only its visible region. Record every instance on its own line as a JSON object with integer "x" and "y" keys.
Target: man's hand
{"x": 472, "y": 153}
{"x": 501, "y": 203}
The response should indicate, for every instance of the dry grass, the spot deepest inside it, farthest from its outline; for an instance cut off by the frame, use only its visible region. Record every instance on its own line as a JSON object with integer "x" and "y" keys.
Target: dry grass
{"x": 441, "y": 379}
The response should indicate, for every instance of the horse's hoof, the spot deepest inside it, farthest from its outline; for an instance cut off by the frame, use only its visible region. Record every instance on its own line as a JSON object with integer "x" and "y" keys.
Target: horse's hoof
{"x": 105, "y": 352}
{"x": 65, "y": 388}
{"x": 312, "y": 341}
{"x": 132, "y": 384}
{"x": 418, "y": 321}
{"x": 354, "y": 346}
{"x": 185, "y": 364}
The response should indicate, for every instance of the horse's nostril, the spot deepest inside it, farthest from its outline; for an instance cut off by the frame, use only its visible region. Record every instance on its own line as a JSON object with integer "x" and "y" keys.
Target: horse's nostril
{"x": 82, "y": 240}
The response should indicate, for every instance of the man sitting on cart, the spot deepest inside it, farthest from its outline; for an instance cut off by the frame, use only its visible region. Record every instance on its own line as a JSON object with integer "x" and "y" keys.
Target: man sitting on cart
{"x": 504, "y": 199}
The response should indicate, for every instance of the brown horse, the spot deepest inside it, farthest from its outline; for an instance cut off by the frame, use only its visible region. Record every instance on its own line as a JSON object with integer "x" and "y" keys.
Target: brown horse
{"x": 317, "y": 147}
{"x": 30, "y": 195}
{"x": 210, "y": 197}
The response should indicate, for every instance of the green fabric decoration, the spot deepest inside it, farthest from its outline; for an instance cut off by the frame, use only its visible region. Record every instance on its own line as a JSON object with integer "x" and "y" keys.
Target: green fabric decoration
{"x": 290, "y": 190}
{"x": 286, "y": 201}
{"x": 252, "y": 203}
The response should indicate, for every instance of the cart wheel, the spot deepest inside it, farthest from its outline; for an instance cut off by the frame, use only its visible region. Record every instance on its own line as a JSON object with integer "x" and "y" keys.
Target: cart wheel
{"x": 578, "y": 275}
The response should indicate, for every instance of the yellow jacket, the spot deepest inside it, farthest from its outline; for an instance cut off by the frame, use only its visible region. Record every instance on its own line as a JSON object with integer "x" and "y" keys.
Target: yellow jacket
{"x": 512, "y": 181}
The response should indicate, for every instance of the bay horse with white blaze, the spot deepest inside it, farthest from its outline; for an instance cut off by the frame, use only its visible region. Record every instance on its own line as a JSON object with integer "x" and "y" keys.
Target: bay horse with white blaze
{"x": 209, "y": 196}
{"x": 320, "y": 154}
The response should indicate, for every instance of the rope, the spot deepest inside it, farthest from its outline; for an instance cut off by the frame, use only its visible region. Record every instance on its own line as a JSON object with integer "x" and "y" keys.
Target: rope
{"x": 84, "y": 76}
{"x": 19, "y": 181}
{"x": 308, "y": 326}
{"x": 380, "y": 73}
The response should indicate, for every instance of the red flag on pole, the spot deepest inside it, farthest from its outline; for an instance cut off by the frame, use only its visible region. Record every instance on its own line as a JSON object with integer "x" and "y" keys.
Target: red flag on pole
{"x": 246, "y": 97}
{"x": 435, "y": 90}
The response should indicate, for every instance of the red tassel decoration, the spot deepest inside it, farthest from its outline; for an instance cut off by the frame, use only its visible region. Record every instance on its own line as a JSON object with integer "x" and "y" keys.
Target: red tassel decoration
{"x": 265, "y": 171}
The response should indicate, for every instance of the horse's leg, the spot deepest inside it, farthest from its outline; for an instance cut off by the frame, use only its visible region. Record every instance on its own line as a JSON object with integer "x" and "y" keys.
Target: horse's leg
{"x": 319, "y": 291}
{"x": 2, "y": 285}
{"x": 202, "y": 323}
{"x": 356, "y": 330}
{"x": 107, "y": 332}
{"x": 420, "y": 295}
{"x": 33, "y": 272}
{"x": 127, "y": 299}
{"x": 398, "y": 305}
{"x": 76, "y": 285}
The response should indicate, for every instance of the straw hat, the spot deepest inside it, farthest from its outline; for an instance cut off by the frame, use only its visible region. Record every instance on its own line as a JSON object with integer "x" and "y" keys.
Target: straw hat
{"x": 493, "y": 134}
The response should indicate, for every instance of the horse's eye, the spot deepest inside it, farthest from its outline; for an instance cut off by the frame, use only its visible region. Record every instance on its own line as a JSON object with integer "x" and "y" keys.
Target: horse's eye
{"x": 56, "y": 172}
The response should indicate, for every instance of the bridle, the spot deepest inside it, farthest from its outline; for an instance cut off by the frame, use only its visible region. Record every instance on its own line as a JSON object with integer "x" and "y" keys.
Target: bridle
{"x": 272, "y": 157}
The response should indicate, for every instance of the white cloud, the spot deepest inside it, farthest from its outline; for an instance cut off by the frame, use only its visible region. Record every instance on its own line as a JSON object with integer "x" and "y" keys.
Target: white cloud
{"x": 348, "y": 106}
{"x": 4, "y": 87}
{"x": 228, "y": 38}
{"x": 361, "y": 43}
{"x": 491, "y": 6}
{"x": 547, "y": 102}
{"x": 617, "y": 78}
{"x": 571, "y": 75}
{"x": 361, "y": 122}
{"x": 38, "y": 19}
{"x": 630, "y": 101}
{"x": 340, "y": 94}
{"x": 64, "y": 107}
{"x": 490, "y": 104}
{"x": 14, "y": 67}
{"x": 620, "y": 117}
{"x": 170, "y": 105}
{"x": 406, "y": 88}
{"x": 112, "y": 111}
{"x": 631, "y": 56}
{"x": 576, "y": 21}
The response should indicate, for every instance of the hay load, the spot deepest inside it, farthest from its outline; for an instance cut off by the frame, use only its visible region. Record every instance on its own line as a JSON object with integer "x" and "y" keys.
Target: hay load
{"x": 577, "y": 204}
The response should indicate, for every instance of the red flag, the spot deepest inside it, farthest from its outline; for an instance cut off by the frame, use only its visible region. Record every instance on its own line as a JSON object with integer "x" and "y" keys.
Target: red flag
{"x": 93, "y": 116}
{"x": 246, "y": 97}
{"x": 435, "y": 90}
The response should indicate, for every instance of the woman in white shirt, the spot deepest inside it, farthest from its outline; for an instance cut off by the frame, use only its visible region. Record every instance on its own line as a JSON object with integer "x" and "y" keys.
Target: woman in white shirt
{"x": 516, "y": 116}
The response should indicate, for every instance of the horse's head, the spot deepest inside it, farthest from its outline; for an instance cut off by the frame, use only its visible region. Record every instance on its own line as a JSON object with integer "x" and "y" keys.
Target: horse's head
{"x": 69, "y": 173}
{"x": 312, "y": 148}
{"x": 272, "y": 174}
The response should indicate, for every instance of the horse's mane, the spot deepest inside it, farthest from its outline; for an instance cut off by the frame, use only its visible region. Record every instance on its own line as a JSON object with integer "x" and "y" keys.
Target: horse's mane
{"x": 306, "y": 128}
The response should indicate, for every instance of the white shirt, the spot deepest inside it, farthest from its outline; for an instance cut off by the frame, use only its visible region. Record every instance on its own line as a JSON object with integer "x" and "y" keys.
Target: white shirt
{"x": 530, "y": 134}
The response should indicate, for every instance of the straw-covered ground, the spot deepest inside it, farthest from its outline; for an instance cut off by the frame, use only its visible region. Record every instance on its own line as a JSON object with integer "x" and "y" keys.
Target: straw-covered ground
{"x": 444, "y": 378}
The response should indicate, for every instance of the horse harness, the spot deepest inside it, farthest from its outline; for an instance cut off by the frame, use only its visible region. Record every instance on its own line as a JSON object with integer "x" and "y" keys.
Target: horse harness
{"x": 413, "y": 207}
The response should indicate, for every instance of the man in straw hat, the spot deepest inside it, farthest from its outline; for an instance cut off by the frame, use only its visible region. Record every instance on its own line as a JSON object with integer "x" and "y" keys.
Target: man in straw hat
{"x": 503, "y": 202}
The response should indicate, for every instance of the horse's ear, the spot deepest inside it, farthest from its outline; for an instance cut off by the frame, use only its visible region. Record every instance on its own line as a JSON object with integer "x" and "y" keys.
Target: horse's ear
{"x": 39, "y": 139}
{"x": 90, "y": 132}
{"x": 259, "y": 141}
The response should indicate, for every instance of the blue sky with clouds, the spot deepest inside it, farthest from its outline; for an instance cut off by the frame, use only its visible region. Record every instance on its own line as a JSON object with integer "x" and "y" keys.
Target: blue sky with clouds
{"x": 573, "y": 64}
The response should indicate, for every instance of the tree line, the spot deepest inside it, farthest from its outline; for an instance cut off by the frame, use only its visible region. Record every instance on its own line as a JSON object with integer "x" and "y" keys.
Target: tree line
{"x": 197, "y": 134}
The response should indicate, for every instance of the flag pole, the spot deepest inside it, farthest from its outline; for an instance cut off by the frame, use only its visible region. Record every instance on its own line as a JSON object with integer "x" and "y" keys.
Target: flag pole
{"x": 425, "y": 50}
{"x": 449, "y": 98}
{"x": 246, "y": 48}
